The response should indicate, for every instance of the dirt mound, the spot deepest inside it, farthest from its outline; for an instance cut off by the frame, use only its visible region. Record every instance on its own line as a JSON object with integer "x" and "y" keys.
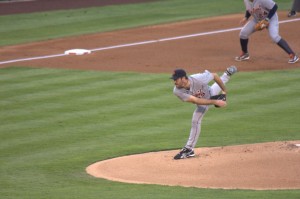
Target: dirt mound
{"x": 264, "y": 166}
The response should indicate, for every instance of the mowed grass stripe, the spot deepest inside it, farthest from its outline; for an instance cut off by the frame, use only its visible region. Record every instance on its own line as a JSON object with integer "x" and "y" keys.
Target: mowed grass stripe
{"x": 53, "y": 88}
{"x": 133, "y": 125}
{"x": 50, "y": 76}
{"x": 83, "y": 92}
{"x": 84, "y": 107}
{"x": 44, "y": 116}
{"x": 35, "y": 85}
{"x": 59, "y": 99}
{"x": 93, "y": 119}
{"x": 97, "y": 118}
{"x": 11, "y": 73}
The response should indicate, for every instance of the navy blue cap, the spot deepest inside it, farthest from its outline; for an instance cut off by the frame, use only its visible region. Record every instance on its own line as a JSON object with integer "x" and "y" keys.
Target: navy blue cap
{"x": 178, "y": 73}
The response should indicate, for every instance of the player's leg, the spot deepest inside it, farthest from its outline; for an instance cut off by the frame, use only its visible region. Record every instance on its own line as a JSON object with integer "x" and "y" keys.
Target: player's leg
{"x": 188, "y": 150}
{"x": 274, "y": 34}
{"x": 293, "y": 58}
{"x": 215, "y": 88}
{"x": 196, "y": 126}
{"x": 246, "y": 31}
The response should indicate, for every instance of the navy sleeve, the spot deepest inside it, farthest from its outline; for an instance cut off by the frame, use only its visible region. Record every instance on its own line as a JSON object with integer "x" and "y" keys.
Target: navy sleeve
{"x": 272, "y": 11}
{"x": 247, "y": 14}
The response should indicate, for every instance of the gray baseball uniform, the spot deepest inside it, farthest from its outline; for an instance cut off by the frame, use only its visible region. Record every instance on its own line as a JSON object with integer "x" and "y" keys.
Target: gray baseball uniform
{"x": 260, "y": 9}
{"x": 199, "y": 88}
{"x": 263, "y": 10}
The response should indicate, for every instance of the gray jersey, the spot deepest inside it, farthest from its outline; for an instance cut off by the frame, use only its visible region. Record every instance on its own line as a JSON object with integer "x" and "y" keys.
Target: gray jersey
{"x": 199, "y": 86}
{"x": 259, "y": 9}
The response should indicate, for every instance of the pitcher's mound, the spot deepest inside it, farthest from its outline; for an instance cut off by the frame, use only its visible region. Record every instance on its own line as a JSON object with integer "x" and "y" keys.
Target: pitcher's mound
{"x": 265, "y": 166}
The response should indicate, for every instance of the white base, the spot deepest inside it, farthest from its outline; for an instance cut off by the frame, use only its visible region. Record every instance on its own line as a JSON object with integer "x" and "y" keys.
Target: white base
{"x": 77, "y": 52}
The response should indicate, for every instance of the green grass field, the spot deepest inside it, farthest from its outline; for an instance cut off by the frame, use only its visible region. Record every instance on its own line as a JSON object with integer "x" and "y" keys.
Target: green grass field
{"x": 54, "y": 123}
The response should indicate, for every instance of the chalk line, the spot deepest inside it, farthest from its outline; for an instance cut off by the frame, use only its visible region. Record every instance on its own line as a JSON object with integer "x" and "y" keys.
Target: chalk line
{"x": 138, "y": 43}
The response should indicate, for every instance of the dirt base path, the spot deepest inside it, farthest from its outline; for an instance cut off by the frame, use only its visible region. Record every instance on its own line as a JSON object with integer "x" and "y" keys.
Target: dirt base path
{"x": 263, "y": 166}
{"x": 210, "y": 51}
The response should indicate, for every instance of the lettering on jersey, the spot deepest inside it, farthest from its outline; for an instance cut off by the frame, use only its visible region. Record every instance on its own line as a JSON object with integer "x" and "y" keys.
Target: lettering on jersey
{"x": 199, "y": 94}
{"x": 260, "y": 12}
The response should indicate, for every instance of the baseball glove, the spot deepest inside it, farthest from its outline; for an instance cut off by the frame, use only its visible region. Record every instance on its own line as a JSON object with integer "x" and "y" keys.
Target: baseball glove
{"x": 219, "y": 97}
{"x": 262, "y": 25}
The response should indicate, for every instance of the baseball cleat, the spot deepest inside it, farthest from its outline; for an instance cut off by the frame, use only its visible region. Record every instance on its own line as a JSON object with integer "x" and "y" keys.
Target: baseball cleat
{"x": 184, "y": 153}
{"x": 292, "y": 13}
{"x": 293, "y": 59}
{"x": 231, "y": 70}
{"x": 243, "y": 57}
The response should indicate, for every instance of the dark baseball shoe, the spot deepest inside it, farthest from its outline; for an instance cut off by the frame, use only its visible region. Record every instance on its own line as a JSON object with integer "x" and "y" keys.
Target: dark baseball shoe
{"x": 243, "y": 57}
{"x": 184, "y": 153}
{"x": 292, "y": 13}
{"x": 231, "y": 70}
{"x": 293, "y": 59}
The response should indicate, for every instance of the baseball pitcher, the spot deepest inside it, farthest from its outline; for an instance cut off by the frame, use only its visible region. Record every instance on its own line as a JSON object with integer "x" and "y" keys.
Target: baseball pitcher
{"x": 195, "y": 89}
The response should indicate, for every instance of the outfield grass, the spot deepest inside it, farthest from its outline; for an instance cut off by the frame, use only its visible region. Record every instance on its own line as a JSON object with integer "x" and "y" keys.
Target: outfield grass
{"x": 25, "y": 28}
{"x": 54, "y": 123}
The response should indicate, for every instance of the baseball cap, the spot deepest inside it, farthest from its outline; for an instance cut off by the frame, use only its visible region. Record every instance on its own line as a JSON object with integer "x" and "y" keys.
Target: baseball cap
{"x": 178, "y": 73}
